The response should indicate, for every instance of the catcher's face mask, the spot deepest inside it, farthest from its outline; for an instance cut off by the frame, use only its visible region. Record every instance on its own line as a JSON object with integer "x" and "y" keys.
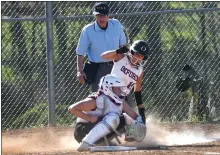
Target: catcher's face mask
{"x": 119, "y": 91}
{"x": 135, "y": 132}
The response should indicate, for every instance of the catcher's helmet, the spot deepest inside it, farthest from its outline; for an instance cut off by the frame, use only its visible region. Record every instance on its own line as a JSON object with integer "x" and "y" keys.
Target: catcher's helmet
{"x": 108, "y": 82}
{"x": 141, "y": 47}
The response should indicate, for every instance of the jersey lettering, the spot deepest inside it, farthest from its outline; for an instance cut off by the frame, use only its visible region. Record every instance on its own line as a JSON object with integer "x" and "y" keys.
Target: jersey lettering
{"x": 130, "y": 85}
{"x": 128, "y": 72}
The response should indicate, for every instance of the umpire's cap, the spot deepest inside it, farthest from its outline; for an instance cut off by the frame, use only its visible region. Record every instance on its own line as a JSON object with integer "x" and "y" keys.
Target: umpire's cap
{"x": 100, "y": 8}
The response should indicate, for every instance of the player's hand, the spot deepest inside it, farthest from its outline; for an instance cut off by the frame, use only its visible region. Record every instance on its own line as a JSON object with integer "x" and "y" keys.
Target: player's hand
{"x": 122, "y": 49}
{"x": 139, "y": 119}
{"x": 81, "y": 76}
{"x": 93, "y": 119}
{"x": 141, "y": 112}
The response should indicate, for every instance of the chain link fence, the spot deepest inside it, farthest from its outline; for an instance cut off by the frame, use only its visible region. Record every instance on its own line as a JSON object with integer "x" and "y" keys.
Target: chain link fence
{"x": 179, "y": 33}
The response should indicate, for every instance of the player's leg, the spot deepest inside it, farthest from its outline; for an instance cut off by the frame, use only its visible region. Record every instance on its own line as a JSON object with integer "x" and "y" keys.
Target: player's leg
{"x": 83, "y": 128}
{"x": 120, "y": 129}
{"x": 103, "y": 70}
{"x": 124, "y": 120}
{"x": 109, "y": 123}
{"x": 130, "y": 101}
{"x": 128, "y": 119}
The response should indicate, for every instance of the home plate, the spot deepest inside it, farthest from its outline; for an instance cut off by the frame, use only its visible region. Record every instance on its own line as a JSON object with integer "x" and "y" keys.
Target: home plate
{"x": 111, "y": 148}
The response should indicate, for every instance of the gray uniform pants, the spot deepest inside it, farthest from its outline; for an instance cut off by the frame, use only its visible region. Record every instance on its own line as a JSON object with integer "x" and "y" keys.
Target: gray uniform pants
{"x": 103, "y": 70}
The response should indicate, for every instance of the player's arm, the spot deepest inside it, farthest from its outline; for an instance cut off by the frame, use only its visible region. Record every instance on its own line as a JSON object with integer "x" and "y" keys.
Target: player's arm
{"x": 80, "y": 62}
{"x": 129, "y": 111}
{"x": 81, "y": 51}
{"x": 81, "y": 76}
{"x": 85, "y": 105}
{"x": 115, "y": 54}
{"x": 138, "y": 98}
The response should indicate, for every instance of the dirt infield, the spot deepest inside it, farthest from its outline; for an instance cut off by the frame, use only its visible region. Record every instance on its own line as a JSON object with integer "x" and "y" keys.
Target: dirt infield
{"x": 172, "y": 139}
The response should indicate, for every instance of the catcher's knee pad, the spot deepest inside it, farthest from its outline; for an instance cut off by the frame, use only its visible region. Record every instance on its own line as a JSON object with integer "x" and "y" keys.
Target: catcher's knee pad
{"x": 81, "y": 130}
{"x": 111, "y": 121}
{"x": 77, "y": 134}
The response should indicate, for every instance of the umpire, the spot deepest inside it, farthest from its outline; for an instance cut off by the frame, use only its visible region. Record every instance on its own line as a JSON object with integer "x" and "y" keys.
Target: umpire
{"x": 102, "y": 35}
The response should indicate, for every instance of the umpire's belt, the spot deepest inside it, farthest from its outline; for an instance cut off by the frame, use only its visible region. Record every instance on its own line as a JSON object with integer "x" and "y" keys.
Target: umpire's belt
{"x": 104, "y": 63}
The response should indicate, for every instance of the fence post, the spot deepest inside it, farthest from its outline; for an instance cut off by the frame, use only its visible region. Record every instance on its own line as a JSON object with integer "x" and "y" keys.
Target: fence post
{"x": 50, "y": 64}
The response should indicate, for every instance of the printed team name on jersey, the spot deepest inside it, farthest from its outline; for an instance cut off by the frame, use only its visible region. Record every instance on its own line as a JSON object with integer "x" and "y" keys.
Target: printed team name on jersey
{"x": 129, "y": 73}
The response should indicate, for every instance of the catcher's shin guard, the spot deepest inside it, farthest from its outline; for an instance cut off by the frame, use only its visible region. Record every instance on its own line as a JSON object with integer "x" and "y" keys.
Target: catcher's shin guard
{"x": 109, "y": 123}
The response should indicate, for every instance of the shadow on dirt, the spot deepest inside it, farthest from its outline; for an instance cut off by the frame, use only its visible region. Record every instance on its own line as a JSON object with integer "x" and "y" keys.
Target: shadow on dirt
{"x": 177, "y": 146}
{"x": 195, "y": 146}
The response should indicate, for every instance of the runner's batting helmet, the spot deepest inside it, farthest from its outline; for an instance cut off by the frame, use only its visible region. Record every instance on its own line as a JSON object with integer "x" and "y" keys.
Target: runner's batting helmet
{"x": 141, "y": 47}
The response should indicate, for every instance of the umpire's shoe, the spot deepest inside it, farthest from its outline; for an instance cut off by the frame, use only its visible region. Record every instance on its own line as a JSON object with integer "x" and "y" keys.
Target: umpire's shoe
{"x": 83, "y": 146}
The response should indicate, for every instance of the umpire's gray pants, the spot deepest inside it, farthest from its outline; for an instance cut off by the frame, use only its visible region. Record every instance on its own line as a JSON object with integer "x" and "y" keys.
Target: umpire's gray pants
{"x": 103, "y": 70}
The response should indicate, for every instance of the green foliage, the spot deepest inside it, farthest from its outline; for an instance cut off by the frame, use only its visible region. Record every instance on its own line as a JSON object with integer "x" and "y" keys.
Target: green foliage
{"x": 37, "y": 116}
{"x": 167, "y": 39}
{"x": 63, "y": 116}
{"x": 6, "y": 43}
{"x": 200, "y": 119}
{"x": 140, "y": 34}
{"x": 34, "y": 117}
{"x": 184, "y": 5}
{"x": 188, "y": 95}
{"x": 8, "y": 75}
{"x": 34, "y": 33}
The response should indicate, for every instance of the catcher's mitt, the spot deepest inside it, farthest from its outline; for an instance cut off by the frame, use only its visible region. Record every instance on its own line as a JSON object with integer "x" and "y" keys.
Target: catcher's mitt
{"x": 135, "y": 132}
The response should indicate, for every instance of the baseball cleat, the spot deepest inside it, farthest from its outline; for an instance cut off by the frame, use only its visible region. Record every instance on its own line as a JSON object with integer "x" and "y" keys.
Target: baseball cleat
{"x": 84, "y": 146}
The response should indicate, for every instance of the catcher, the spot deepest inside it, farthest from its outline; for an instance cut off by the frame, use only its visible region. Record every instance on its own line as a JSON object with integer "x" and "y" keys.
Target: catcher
{"x": 100, "y": 115}
{"x": 128, "y": 64}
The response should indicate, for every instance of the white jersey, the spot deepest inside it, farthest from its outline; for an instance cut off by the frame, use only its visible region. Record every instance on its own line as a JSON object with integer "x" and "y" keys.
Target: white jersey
{"x": 129, "y": 74}
{"x": 104, "y": 106}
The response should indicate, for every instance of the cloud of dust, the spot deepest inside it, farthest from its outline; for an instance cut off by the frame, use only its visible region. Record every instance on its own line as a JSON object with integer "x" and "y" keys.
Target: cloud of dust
{"x": 157, "y": 136}
{"x": 13, "y": 145}
{"x": 67, "y": 142}
{"x": 40, "y": 141}
{"x": 50, "y": 140}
